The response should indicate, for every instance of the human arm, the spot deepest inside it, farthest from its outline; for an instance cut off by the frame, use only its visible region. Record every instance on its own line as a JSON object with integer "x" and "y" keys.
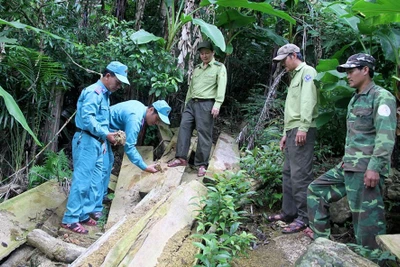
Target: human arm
{"x": 308, "y": 99}
{"x": 282, "y": 143}
{"x": 94, "y": 108}
{"x": 384, "y": 115}
{"x": 151, "y": 168}
{"x": 221, "y": 89}
{"x": 132, "y": 129}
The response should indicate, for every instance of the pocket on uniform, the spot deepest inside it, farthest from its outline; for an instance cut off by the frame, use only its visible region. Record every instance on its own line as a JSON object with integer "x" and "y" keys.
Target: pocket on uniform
{"x": 363, "y": 119}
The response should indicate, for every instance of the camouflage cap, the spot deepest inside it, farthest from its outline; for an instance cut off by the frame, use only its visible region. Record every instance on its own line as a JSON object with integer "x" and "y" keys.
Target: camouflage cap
{"x": 357, "y": 60}
{"x": 286, "y": 50}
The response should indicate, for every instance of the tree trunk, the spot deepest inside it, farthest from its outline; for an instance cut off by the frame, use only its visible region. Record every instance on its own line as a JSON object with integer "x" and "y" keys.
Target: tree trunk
{"x": 140, "y": 5}
{"x": 55, "y": 249}
{"x": 53, "y": 122}
{"x": 120, "y": 8}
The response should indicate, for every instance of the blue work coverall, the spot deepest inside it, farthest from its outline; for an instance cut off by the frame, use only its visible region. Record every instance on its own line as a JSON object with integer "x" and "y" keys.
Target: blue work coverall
{"x": 128, "y": 116}
{"x": 88, "y": 148}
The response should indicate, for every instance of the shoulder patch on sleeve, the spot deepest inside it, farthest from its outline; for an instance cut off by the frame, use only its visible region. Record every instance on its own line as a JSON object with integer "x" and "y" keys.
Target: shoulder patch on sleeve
{"x": 384, "y": 110}
{"x": 307, "y": 78}
{"x": 217, "y": 63}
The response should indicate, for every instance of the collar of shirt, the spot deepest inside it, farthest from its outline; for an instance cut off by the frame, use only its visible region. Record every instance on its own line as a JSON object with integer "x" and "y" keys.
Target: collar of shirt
{"x": 366, "y": 90}
{"x": 104, "y": 89}
{"x": 297, "y": 69}
{"x": 201, "y": 65}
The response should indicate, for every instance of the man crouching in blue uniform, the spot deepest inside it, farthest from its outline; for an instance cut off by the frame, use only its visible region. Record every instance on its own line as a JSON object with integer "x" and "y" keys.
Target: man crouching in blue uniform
{"x": 89, "y": 145}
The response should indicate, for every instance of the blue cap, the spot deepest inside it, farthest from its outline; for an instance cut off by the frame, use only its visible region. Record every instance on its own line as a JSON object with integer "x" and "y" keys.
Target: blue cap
{"x": 163, "y": 110}
{"x": 120, "y": 70}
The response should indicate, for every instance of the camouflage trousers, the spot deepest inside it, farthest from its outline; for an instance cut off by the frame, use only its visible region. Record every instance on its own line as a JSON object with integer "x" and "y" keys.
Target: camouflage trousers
{"x": 366, "y": 204}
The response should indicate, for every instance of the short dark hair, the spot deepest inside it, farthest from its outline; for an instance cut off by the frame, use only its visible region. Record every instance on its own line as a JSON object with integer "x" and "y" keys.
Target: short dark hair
{"x": 108, "y": 71}
{"x": 299, "y": 56}
{"x": 370, "y": 70}
{"x": 155, "y": 110}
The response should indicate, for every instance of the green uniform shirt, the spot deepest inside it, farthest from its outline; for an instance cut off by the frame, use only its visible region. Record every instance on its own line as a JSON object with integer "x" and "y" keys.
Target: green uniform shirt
{"x": 302, "y": 99}
{"x": 371, "y": 127}
{"x": 208, "y": 82}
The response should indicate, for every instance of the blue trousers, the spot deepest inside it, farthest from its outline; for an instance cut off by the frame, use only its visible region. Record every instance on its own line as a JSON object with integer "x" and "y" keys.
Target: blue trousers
{"x": 102, "y": 185}
{"x": 87, "y": 154}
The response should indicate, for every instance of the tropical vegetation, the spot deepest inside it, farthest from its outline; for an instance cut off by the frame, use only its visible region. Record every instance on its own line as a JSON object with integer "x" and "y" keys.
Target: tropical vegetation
{"x": 51, "y": 50}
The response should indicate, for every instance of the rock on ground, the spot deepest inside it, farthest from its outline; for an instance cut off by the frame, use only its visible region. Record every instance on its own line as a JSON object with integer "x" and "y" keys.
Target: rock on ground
{"x": 324, "y": 252}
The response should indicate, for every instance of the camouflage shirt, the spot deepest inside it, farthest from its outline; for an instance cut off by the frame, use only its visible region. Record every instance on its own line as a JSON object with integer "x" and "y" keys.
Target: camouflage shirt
{"x": 371, "y": 124}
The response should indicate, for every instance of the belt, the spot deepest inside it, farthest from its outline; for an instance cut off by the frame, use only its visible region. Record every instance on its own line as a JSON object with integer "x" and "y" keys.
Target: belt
{"x": 89, "y": 133}
{"x": 202, "y": 99}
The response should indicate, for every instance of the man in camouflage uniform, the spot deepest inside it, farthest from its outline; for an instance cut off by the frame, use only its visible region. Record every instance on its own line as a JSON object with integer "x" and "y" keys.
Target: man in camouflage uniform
{"x": 371, "y": 124}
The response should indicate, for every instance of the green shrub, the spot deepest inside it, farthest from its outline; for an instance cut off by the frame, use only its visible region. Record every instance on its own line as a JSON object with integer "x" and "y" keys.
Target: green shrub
{"x": 222, "y": 213}
{"x": 56, "y": 166}
{"x": 265, "y": 163}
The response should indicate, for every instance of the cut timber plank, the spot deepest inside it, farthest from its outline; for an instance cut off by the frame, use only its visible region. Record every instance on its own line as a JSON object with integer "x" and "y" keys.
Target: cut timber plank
{"x": 129, "y": 175}
{"x": 390, "y": 243}
{"x": 226, "y": 155}
{"x": 146, "y": 240}
{"x": 21, "y": 214}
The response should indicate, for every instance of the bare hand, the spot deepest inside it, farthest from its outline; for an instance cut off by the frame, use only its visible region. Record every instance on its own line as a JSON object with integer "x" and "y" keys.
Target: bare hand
{"x": 282, "y": 143}
{"x": 215, "y": 112}
{"x": 371, "y": 178}
{"x": 151, "y": 168}
{"x": 111, "y": 138}
{"x": 301, "y": 138}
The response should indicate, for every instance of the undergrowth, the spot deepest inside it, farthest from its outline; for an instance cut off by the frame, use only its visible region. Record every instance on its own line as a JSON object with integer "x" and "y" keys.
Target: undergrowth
{"x": 220, "y": 218}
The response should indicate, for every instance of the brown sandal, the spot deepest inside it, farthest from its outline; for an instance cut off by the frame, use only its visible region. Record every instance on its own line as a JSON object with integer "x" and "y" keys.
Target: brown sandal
{"x": 202, "y": 171}
{"x": 277, "y": 217}
{"x": 295, "y": 227}
{"x": 177, "y": 162}
{"x": 89, "y": 222}
{"x": 75, "y": 227}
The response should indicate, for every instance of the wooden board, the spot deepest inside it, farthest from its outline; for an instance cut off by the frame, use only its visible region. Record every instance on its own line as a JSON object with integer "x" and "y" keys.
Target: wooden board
{"x": 21, "y": 214}
{"x": 390, "y": 243}
{"x": 226, "y": 155}
{"x": 144, "y": 243}
{"x": 128, "y": 177}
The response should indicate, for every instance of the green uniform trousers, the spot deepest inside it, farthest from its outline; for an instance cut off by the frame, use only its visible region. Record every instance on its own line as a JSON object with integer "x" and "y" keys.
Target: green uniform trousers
{"x": 297, "y": 174}
{"x": 197, "y": 115}
{"x": 366, "y": 204}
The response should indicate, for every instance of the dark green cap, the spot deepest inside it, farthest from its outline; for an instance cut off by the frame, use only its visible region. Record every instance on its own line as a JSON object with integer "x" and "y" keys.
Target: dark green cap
{"x": 205, "y": 44}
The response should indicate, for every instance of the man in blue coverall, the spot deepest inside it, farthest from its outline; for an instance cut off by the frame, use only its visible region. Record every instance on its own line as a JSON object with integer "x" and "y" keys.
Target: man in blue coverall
{"x": 129, "y": 116}
{"x": 89, "y": 146}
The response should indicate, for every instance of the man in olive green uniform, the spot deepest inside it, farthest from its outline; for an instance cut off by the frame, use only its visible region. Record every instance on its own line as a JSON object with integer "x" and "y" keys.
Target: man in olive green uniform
{"x": 203, "y": 101}
{"x": 371, "y": 124}
{"x": 298, "y": 138}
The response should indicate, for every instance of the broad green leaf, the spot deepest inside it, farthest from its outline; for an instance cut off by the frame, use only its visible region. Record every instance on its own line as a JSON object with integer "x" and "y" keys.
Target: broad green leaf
{"x": 4, "y": 39}
{"x": 327, "y": 64}
{"x": 340, "y": 52}
{"x": 383, "y": 11}
{"x": 186, "y": 18}
{"x": 143, "y": 37}
{"x": 19, "y": 25}
{"x": 231, "y": 19}
{"x": 271, "y": 34}
{"x": 367, "y": 26}
{"x": 169, "y": 3}
{"x": 262, "y": 7}
{"x": 390, "y": 41}
{"x": 343, "y": 102}
{"x": 212, "y": 32}
{"x": 16, "y": 112}
{"x": 345, "y": 16}
{"x": 324, "y": 118}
